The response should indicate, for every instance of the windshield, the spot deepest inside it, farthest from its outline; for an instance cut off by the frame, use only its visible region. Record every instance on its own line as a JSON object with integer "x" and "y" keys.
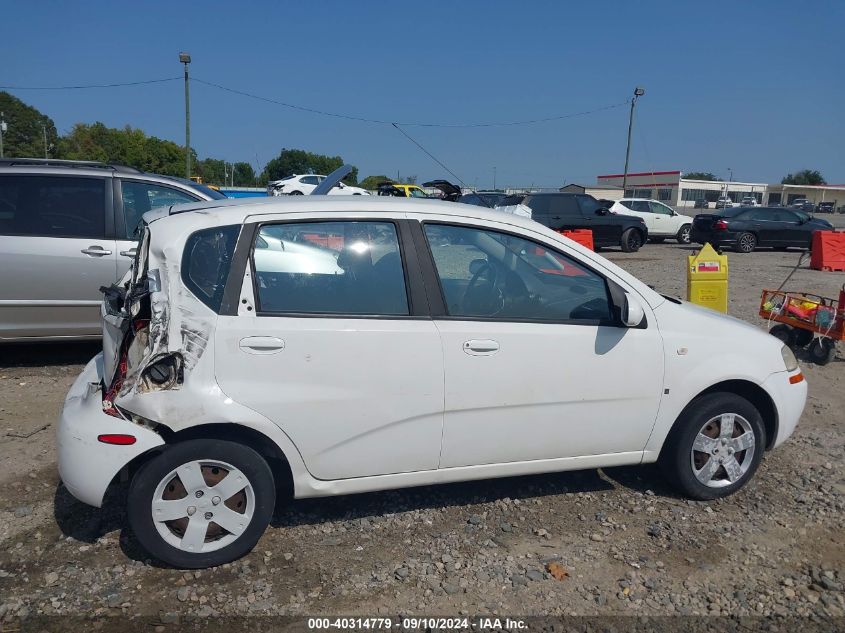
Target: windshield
{"x": 416, "y": 193}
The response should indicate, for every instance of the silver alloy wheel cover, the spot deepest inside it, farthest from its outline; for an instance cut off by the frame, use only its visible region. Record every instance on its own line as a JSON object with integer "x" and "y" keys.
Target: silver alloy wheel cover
{"x": 721, "y": 451}
{"x": 685, "y": 233}
{"x": 168, "y": 510}
{"x": 746, "y": 242}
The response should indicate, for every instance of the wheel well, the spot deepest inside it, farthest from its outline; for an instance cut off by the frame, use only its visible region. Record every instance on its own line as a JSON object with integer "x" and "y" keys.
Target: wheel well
{"x": 756, "y": 395}
{"x": 245, "y": 435}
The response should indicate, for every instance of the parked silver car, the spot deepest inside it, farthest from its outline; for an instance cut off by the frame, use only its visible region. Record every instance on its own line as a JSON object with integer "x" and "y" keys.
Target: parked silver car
{"x": 66, "y": 229}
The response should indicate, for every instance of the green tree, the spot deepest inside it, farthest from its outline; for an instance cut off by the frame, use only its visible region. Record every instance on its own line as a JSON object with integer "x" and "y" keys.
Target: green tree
{"x": 212, "y": 171}
{"x": 298, "y": 161}
{"x": 244, "y": 175}
{"x": 127, "y": 146}
{"x": 700, "y": 175}
{"x": 804, "y": 177}
{"x": 372, "y": 182}
{"x": 26, "y": 126}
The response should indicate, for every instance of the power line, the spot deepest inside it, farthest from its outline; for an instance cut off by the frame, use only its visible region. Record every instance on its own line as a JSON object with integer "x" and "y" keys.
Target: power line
{"x": 85, "y": 87}
{"x": 407, "y": 124}
{"x": 429, "y": 154}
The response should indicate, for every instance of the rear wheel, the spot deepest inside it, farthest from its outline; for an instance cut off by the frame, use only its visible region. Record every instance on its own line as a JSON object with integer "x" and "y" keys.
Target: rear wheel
{"x": 821, "y": 350}
{"x": 746, "y": 242}
{"x": 801, "y": 338}
{"x": 715, "y": 447}
{"x": 295, "y": 193}
{"x": 201, "y": 503}
{"x": 684, "y": 233}
{"x": 632, "y": 239}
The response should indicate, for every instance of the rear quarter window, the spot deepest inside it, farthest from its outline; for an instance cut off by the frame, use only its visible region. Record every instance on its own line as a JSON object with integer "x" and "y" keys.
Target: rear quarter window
{"x": 206, "y": 262}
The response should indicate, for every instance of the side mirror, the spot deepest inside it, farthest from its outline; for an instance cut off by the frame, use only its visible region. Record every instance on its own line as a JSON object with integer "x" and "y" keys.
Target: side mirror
{"x": 602, "y": 211}
{"x": 632, "y": 311}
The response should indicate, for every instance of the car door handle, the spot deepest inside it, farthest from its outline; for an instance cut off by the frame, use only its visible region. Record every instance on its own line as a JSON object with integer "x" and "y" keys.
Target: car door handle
{"x": 481, "y": 347}
{"x": 96, "y": 251}
{"x": 130, "y": 253}
{"x": 261, "y": 345}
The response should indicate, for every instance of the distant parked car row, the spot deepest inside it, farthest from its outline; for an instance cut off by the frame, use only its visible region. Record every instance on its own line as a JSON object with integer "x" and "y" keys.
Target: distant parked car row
{"x": 746, "y": 228}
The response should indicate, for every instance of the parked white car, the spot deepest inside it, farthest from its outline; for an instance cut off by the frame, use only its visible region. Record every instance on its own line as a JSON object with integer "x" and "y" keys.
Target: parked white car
{"x": 661, "y": 220}
{"x": 429, "y": 342}
{"x": 749, "y": 201}
{"x": 304, "y": 184}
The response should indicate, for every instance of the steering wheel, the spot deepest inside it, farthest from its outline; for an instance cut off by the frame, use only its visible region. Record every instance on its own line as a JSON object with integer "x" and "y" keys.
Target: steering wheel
{"x": 483, "y": 299}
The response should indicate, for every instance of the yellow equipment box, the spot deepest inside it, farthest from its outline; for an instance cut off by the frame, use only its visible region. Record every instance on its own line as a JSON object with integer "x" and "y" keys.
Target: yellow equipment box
{"x": 707, "y": 279}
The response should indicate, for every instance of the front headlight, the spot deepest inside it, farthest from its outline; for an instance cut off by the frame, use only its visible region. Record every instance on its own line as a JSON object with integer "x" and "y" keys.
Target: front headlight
{"x": 788, "y": 358}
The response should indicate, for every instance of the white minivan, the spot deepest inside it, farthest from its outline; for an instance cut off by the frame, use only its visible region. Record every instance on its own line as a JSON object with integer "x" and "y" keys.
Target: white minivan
{"x": 333, "y": 345}
{"x": 661, "y": 220}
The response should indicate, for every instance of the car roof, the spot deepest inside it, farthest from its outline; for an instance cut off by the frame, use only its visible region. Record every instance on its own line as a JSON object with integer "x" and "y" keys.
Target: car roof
{"x": 237, "y": 210}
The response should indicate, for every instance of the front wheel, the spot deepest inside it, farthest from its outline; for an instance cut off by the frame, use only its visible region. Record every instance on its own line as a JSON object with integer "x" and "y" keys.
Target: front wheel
{"x": 632, "y": 239}
{"x": 295, "y": 193}
{"x": 715, "y": 446}
{"x": 746, "y": 242}
{"x": 201, "y": 503}
{"x": 684, "y": 234}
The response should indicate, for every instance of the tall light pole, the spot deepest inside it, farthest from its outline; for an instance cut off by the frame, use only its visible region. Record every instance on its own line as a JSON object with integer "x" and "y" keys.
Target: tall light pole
{"x": 638, "y": 92}
{"x": 185, "y": 58}
{"x": 44, "y": 135}
{"x": 730, "y": 178}
{"x": 494, "y": 179}
{"x": 3, "y": 128}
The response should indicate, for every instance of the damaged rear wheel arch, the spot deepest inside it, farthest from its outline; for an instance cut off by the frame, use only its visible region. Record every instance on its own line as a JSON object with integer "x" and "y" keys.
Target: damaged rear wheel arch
{"x": 247, "y": 436}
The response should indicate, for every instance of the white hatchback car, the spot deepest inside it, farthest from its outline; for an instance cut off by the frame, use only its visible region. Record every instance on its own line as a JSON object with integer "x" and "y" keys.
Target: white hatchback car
{"x": 661, "y": 220}
{"x": 343, "y": 345}
{"x": 304, "y": 184}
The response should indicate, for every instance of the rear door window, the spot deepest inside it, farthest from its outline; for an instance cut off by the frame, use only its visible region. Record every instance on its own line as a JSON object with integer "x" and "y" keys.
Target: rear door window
{"x": 52, "y": 206}
{"x": 342, "y": 268}
{"x": 139, "y": 197}
{"x": 564, "y": 207}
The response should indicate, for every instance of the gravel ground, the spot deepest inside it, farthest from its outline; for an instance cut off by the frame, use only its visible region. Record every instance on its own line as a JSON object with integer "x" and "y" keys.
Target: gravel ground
{"x": 615, "y": 541}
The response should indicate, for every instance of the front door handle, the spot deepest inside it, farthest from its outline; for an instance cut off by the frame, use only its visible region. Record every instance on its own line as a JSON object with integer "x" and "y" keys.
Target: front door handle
{"x": 481, "y": 347}
{"x": 130, "y": 253}
{"x": 96, "y": 251}
{"x": 261, "y": 345}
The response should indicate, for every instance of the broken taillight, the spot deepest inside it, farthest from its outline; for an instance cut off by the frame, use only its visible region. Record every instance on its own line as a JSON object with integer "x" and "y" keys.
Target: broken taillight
{"x": 122, "y": 368}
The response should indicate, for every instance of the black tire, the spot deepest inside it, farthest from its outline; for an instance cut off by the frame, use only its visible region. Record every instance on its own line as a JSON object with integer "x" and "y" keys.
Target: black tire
{"x": 783, "y": 332}
{"x": 677, "y": 457}
{"x": 801, "y": 338}
{"x": 632, "y": 239}
{"x": 295, "y": 193}
{"x": 683, "y": 236}
{"x": 821, "y": 350}
{"x": 143, "y": 490}
{"x": 745, "y": 243}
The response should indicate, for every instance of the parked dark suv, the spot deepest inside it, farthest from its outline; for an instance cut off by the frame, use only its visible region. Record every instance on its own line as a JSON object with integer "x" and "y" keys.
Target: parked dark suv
{"x": 566, "y": 211}
{"x": 67, "y": 228}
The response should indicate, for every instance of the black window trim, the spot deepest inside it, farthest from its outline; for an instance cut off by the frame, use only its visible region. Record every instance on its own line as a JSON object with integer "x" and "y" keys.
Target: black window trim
{"x": 108, "y": 217}
{"x": 418, "y": 308}
{"x": 435, "y": 286}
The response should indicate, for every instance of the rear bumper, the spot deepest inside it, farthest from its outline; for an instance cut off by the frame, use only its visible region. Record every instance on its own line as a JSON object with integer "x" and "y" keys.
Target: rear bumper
{"x": 86, "y": 465}
{"x": 789, "y": 401}
{"x": 712, "y": 237}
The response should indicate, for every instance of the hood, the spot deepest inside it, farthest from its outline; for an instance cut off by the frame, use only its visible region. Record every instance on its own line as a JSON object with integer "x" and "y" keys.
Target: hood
{"x": 331, "y": 180}
{"x": 450, "y": 192}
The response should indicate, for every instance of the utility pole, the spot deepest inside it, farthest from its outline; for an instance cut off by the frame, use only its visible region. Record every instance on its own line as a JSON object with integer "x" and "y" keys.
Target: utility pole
{"x": 44, "y": 133}
{"x": 3, "y": 128}
{"x": 728, "y": 184}
{"x": 185, "y": 58}
{"x": 638, "y": 92}
{"x": 494, "y": 179}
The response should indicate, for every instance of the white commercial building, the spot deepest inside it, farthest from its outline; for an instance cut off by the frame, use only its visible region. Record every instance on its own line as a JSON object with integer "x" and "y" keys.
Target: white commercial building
{"x": 672, "y": 188}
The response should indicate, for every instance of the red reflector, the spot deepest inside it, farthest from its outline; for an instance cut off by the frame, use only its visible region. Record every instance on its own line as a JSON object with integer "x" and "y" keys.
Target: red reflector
{"x": 117, "y": 438}
{"x": 720, "y": 225}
